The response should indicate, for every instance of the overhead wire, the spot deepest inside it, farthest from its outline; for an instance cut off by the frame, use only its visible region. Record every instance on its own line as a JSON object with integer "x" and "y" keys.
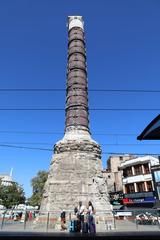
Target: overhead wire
{"x": 62, "y": 109}
{"x": 51, "y": 150}
{"x": 25, "y": 147}
{"x": 89, "y": 90}
{"x": 102, "y": 144}
{"x": 57, "y": 133}
{"x": 92, "y": 90}
{"x": 91, "y": 109}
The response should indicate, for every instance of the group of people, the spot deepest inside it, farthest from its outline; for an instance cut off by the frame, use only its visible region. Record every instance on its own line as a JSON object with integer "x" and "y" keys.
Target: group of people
{"x": 84, "y": 216}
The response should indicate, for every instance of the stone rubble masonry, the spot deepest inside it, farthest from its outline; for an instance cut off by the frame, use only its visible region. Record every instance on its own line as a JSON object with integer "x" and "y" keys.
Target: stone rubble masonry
{"x": 75, "y": 174}
{"x": 76, "y": 168}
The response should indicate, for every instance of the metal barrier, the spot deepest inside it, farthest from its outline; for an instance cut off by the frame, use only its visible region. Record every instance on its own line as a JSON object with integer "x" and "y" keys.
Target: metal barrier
{"x": 42, "y": 221}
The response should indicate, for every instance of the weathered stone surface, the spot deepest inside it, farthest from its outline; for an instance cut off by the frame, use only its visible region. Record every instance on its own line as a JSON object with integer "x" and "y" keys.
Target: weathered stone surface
{"x": 75, "y": 174}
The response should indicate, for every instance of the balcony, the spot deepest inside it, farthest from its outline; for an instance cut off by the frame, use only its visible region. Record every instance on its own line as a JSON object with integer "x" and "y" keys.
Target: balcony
{"x": 139, "y": 195}
{"x": 137, "y": 178}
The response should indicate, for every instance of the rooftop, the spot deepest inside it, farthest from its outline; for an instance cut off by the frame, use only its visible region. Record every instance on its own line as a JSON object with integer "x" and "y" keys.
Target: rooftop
{"x": 140, "y": 160}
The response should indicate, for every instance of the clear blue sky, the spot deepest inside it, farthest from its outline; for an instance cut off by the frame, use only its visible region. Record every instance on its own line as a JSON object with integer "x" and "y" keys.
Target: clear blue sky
{"x": 123, "y": 52}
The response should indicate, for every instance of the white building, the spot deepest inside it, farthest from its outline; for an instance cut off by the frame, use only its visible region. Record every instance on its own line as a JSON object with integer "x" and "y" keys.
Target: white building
{"x": 137, "y": 179}
{"x": 6, "y": 179}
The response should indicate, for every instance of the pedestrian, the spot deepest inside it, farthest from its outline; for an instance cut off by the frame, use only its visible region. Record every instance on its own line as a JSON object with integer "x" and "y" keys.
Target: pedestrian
{"x": 80, "y": 213}
{"x": 63, "y": 220}
{"x": 90, "y": 217}
{"x": 30, "y": 216}
{"x": 76, "y": 211}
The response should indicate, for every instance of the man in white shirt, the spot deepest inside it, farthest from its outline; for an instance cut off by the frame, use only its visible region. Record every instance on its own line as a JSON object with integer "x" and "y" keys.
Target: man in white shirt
{"x": 80, "y": 213}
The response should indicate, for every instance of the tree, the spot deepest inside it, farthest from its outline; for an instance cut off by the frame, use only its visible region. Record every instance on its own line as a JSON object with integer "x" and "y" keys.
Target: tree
{"x": 11, "y": 195}
{"x": 38, "y": 186}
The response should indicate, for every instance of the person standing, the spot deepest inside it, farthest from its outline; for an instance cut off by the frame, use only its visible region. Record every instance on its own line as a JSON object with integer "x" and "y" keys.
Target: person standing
{"x": 30, "y": 216}
{"x": 90, "y": 217}
{"x": 80, "y": 213}
{"x": 63, "y": 220}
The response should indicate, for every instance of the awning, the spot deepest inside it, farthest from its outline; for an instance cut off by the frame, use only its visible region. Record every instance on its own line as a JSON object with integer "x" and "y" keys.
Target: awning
{"x": 117, "y": 207}
{"x": 152, "y": 131}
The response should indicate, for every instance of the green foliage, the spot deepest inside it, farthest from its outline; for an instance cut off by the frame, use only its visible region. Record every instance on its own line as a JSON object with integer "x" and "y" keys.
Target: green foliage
{"x": 37, "y": 185}
{"x": 11, "y": 195}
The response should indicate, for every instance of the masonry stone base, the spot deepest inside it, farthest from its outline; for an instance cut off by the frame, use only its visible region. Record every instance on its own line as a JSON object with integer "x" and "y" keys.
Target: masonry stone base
{"x": 75, "y": 175}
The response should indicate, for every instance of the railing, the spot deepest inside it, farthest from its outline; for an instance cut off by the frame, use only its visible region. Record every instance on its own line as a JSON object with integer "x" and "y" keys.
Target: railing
{"x": 42, "y": 221}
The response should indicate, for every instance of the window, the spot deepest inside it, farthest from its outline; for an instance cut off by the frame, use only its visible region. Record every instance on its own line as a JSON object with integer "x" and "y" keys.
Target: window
{"x": 149, "y": 186}
{"x": 129, "y": 171}
{"x": 146, "y": 168}
{"x": 130, "y": 188}
{"x": 124, "y": 173}
{"x": 138, "y": 169}
{"x": 140, "y": 187}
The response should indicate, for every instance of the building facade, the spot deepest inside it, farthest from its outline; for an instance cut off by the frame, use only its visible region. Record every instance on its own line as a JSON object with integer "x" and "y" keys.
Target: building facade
{"x": 6, "y": 180}
{"x": 156, "y": 179}
{"x": 113, "y": 178}
{"x": 137, "y": 181}
{"x": 113, "y": 173}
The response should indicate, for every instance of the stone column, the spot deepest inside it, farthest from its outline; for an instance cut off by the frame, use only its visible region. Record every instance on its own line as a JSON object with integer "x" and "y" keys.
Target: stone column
{"x": 143, "y": 171}
{"x": 135, "y": 187}
{"x": 152, "y": 185}
{"x": 149, "y": 166}
{"x": 124, "y": 189}
{"x": 133, "y": 170}
{"x": 77, "y": 90}
{"x": 145, "y": 186}
{"x": 76, "y": 168}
